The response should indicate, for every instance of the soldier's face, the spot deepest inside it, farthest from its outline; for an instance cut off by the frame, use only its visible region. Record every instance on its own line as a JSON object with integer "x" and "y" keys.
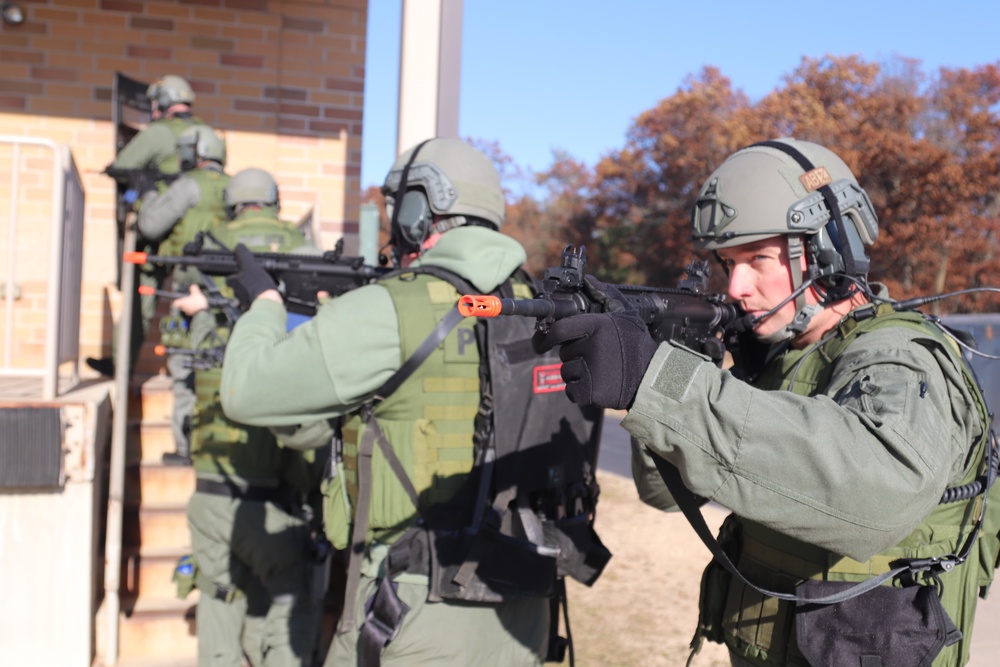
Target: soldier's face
{"x": 759, "y": 279}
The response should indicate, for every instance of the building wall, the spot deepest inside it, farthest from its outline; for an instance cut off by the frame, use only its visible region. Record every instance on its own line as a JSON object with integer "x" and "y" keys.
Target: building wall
{"x": 281, "y": 80}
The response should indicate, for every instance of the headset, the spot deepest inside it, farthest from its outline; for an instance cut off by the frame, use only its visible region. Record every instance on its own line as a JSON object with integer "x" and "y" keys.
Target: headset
{"x": 411, "y": 215}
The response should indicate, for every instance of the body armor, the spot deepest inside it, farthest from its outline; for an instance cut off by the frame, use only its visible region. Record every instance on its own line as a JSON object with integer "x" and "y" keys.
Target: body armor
{"x": 762, "y": 628}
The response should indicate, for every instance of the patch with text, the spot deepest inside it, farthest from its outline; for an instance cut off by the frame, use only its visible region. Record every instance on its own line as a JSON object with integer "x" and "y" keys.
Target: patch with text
{"x": 548, "y": 379}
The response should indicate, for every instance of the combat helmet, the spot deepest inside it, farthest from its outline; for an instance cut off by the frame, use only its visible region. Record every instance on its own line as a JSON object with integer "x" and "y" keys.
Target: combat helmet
{"x": 197, "y": 143}
{"x": 440, "y": 177}
{"x": 169, "y": 90}
{"x": 801, "y": 190}
{"x": 250, "y": 186}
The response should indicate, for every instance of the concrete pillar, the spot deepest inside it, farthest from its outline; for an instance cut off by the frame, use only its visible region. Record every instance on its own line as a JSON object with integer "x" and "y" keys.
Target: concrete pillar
{"x": 430, "y": 58}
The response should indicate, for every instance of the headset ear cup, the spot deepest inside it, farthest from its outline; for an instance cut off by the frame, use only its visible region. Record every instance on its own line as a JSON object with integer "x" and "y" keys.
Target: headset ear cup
{"x": 413, "y": 220}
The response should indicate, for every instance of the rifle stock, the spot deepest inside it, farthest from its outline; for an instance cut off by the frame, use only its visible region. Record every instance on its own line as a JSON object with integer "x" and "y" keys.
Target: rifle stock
{"x": 686, "y": 314}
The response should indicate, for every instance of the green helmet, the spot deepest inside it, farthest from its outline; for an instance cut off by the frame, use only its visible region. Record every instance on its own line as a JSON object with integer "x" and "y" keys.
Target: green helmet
{"x": 446, "y": 178}
{"x": 198, "y": 143}
{"x": 170, "y": 90}
{"x": 251, "y": 186}
{"x": 796, "y": 189}
{"x": 777, "y": 188}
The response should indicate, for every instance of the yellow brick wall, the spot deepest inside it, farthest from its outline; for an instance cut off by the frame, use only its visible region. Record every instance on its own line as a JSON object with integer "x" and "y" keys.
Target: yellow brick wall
{"x": 281, "y": 80}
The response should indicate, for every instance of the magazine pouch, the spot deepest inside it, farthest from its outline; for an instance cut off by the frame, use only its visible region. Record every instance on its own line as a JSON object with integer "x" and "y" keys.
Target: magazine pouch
{"x": 883, "y": 627}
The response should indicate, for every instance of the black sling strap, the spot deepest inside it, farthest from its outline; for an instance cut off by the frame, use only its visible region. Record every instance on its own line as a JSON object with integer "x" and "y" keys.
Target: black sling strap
{"x": 689, "y": 506}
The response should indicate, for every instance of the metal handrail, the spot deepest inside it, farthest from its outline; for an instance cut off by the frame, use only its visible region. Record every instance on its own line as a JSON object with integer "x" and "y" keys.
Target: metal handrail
{"x": 62, "y": 333}
{"x": 116, "y": 473}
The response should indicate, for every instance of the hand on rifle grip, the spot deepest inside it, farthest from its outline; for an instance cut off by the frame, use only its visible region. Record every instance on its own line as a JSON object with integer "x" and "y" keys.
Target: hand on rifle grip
{"x": 251, "y": 280}
{"x": 604, "y": 356}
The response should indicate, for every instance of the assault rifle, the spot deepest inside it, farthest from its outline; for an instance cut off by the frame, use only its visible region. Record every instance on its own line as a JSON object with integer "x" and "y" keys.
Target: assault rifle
{"x": 139, "y": 181}
{"x": 215, "y": 299}
{"x": 687, "y": 314}
{"x": 299, "y": 277}
{"x": 197, "y": 359}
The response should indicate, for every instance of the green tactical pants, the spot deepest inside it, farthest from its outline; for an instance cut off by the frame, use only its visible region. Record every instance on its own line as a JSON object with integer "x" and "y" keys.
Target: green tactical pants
{"x": 452, "y": 634}
{"x": 184, "y": 399}
{"x": 263, "y": 551}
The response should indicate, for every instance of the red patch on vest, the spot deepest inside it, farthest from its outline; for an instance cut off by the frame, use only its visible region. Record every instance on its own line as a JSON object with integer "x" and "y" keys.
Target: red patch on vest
{"x": 547, "y": 379}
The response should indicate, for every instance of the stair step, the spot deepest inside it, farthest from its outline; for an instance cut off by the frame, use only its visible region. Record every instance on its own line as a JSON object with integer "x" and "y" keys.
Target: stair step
{"x": 149, "y": 573}
{"x": 149, "y": 441}
{"x": 154, "y": 629}
{"x": 153, "y": 399}
{"x": 156, "y": 527}
{"x": 159, "y": 485}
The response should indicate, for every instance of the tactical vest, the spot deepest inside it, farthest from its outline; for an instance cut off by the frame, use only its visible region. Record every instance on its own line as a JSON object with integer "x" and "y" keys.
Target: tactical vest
{"x": 218, "y": 444}
{"x": 261, "y": 231}
{"x": 762, "y": 628}
{"x": 169, "y": 163}
{"x": 545, "y": 448}
{"x": 429, "y": 420}
{"x": 208, "y": 212}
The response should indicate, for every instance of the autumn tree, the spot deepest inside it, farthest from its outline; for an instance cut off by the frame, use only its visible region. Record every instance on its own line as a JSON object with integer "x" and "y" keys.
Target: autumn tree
{"x": 926, "y": 151}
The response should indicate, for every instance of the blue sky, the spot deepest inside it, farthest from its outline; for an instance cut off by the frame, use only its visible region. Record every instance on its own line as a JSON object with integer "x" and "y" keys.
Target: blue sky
{"x": 540, "y": 75}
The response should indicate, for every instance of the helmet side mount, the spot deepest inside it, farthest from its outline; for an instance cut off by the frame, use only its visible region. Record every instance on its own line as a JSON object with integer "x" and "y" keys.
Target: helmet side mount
{"x": 836, "y": 254}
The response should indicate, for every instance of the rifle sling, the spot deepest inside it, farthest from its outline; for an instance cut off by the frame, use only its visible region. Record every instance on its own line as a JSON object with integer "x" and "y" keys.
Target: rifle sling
{"x": 689, "y": 506}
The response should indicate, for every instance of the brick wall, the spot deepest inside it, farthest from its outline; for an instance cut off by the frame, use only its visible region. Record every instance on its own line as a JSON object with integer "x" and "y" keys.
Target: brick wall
{"x": 281, "y": 80}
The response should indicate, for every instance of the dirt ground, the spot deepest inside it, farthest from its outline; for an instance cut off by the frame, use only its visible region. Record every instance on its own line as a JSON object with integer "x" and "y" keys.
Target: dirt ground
{"x": 643, "y": 609}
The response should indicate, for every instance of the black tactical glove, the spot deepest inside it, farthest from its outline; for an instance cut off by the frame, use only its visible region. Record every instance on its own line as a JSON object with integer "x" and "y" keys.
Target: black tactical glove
{"x": 604, "y": 355}
{"x": 251, "y": 280}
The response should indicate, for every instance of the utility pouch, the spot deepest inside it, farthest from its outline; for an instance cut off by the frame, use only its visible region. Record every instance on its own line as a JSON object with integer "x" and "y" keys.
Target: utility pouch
{"x": 185, "y": 574}
{"x": 488, "y": 567}
{"x": 174, "y": 330}
{"x": 336, "y": 510}
{"x": 582, "y": 555}
{"x": 883, "y": 627}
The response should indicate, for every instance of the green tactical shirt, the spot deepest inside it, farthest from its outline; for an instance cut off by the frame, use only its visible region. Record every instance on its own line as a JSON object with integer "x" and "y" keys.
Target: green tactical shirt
{"x": 156, "y": 145}
{"x": 853, "y": 468}
{"x": 335, "y": 362}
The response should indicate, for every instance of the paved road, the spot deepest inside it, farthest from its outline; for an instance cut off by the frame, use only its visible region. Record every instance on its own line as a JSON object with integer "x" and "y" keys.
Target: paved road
{"x": 615, "y": 457}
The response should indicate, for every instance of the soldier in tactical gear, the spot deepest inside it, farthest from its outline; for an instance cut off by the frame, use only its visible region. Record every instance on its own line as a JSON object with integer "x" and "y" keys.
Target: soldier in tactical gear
{"x": 171, "y": 98}
{"x": 834, "y": 457}
{"x": 393, "y": 365}
{"x": 192, "y": 204}
{"x": 250, "y": 530}
{"x": 153, "y": 148}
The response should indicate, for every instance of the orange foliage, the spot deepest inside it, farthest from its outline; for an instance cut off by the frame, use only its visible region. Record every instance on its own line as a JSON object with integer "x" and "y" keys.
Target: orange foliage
{"x": 926, "y": 149}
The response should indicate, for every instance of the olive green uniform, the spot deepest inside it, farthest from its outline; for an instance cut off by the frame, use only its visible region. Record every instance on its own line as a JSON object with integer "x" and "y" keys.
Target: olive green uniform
{"x": 330, "y": 367}
{"x": 192, "y": 204}
{"x": 257, "y": 575}
{"x": 154, "y": 147}
{"x": 833, "y": 465}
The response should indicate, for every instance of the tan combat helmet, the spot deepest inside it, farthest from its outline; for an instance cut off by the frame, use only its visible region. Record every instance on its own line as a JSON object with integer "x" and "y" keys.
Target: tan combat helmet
{"x": 169, "y": 90}
{"x": 250, "y": 186}
{"x": 447, "y": 178}
{"x": 797, "y": 189}
{"x": 198, "y": 143}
